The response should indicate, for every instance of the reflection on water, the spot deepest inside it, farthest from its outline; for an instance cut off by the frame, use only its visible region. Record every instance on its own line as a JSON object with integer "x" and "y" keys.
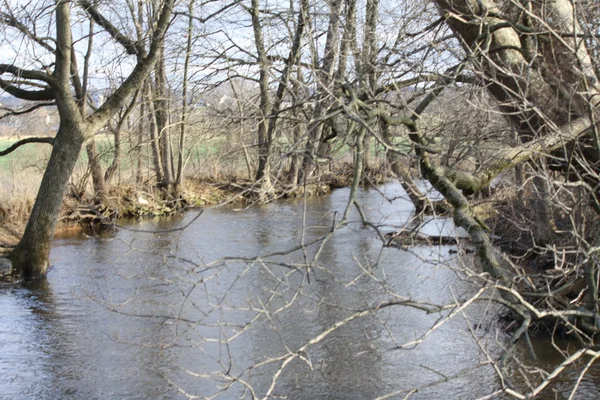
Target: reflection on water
{"x": 204, "y": 311}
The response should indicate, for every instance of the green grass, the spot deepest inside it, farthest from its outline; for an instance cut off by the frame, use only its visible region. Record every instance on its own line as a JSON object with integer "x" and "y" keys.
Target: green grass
{"x": 36, "y": 154}
{"x": 33, "y": 155}
{"x": 205, "y": 156}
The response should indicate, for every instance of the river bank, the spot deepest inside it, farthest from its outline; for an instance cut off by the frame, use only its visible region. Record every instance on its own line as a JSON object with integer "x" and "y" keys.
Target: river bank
{"x": 122, "y": 202}
{"x": 79, "y": 213}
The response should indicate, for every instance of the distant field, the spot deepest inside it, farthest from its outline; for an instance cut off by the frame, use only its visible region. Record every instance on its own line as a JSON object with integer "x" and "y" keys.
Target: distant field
{"x": 33, "y": 157}
{"x": 212, "y": 157}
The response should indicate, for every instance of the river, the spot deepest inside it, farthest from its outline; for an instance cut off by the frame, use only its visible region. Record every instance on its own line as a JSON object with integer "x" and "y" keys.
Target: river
{"x": 179, "y": 313}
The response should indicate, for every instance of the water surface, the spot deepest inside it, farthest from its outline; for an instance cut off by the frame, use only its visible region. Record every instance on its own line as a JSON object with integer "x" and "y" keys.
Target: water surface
{"x": 206, "y": 311}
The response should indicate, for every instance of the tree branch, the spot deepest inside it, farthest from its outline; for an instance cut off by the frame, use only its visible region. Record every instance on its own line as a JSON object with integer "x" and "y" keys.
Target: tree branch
{"x": 10, "y": 20}
{"x": 10, "y": 112}
{"x": 139, "y": 73}
{"x": 31, "y": 95}
{"x": 22, "y": 142}
{"x": 210, "y": 16}
{"x": 132, "y": 48}
{"x": 25, "y": 73}
{"x": 508, "y": 158}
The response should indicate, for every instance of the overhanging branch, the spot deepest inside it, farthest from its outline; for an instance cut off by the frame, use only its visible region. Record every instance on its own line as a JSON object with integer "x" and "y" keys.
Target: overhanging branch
{"x": 505, "y": 158}
{"x": 508, "y": 158}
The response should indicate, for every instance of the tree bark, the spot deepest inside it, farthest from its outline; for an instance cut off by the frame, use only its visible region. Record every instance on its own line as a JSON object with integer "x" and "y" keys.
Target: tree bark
{"x": 263, "y": 173}
{"x": 31, "y": 254}
{"x": 368, "y": 71}
{"x": 154, "y": 135}
{"x": 161, "y": 108}
{"x": 291, "y": 61}
{"x": 538, "y": 88}
{"x": 116, "y": 162}
{"x": 348, "y": 39}
{"x": 409, "y": 186}
{"x": 95, "y": 167}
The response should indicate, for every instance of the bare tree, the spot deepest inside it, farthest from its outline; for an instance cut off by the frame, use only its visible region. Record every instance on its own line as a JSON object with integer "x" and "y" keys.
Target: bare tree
{"x": 30, "y": 256}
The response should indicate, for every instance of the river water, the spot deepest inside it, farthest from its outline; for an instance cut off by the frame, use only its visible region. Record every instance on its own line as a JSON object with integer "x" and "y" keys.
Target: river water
{"x": 225, "y": 308}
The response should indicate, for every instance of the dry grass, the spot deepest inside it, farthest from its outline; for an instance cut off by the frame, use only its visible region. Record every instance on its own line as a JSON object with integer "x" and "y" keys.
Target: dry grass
{"x": 17, "y": 194}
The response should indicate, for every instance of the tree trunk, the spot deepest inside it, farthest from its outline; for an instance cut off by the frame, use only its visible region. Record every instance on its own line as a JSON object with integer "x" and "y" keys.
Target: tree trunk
{"x": 30, "y": 257}
{"x": 124, "y": 119}
{"x": 161, "y": 108}
{"x": 139, "y": 141}
{"x": 154, "y": 133}
{"x": 545, "y": 226}
{"x": 185, "y": 100}
{"x": 325, "y": 75}
{"x": 116, "y": 162}
{"x": 401, "y": 172}
{"x": 296, "y": 161}
{"x": 273, "y": 118}
{"x": 537, "y": 88}
{"x": 348, "y": 39}
{"x": 98, "y": 182}
{"x": 368, "y": 70}
{"x": 263, "y": 174}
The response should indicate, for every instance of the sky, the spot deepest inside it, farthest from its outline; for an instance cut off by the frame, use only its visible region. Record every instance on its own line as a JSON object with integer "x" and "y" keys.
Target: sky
{"x": 229, "y": 34}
